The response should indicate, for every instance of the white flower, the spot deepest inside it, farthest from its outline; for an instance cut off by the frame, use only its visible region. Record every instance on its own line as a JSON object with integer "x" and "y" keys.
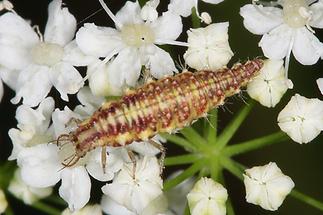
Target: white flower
{"x": 133, "y": 42}
{"x": 320, "y": 84}
{"x": 207, "y": 197}
{"x": 267, "y": 186}
{"x": 270, "y": 85}
{"x": 287, "y": 30}
{"x": 43, "y": 62}
{"x": 302, "y": 118}
{"x": 136, "y": 193}
{"x": 208, "y": 48}
{"x": 26, "y": 193}
{"x": 109, "y": 206}
{"x": 41, "y": 165}
{"x": 184, "y": 8}
{"x": 33, "y": 127}
{"x": 8, "y": 77}
{"x": 6, "y": 5}
{"x": 89, "y": 209}
{"x": 3, "y": 202}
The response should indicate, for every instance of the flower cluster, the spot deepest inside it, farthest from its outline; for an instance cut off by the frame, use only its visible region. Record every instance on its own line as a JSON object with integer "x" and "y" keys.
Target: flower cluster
{"x": 33, "y": 63}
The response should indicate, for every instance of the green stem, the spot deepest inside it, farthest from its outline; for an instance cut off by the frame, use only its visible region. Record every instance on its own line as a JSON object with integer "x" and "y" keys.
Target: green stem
{"x": 45, "y": 208}
{"x": 255, "y": 144}
{"x": 215, "y": 169}
{"x": 187, "y": 210}
{"x": 211, "y": 131}
{"x": 184, "y": 175}
{"x": 193, "y": 137}
{"x": 230, "y": 130}
{"x": 307, "y": 199}
{"x": 231, "y": 166}
{"x": 179, "y": 141}
{"x": 196, "y": 22}
{"x": 181, "y": 159}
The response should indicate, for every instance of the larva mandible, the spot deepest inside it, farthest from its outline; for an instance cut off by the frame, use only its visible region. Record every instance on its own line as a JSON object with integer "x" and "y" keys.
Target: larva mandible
{"x": 160, "y": 106}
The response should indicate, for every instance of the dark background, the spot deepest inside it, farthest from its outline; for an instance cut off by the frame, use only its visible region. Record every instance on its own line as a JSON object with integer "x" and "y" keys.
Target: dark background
{"x": 303, "y": 163}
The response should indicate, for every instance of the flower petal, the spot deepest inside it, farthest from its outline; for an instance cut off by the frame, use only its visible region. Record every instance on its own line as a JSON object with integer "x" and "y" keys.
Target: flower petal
{"x": 213, "y": 1}
{"x": 182, "y": 7}
{"x": 9, "y": 77}
{"x": 99, "y": 81}
{"x": 89, "y": 102}
{"x": 109, "y": 206}
{"x": 275, "y": 44}
{"x": 94, "y": 165}
{"x": 307, "y": 49}
{"x": 129, "y": 13}
{"x": 60, "y": 120}
{"x": 125, "y": 68}
{"x": 74, "y": 55}
{"x": 161, "y": 64}
{"x": 61, "y": 24}
{"x": 33, "y": 85}
{"x": 260, "y": 20}
{"x": 320, "y": 84}
{"x": 66, "y": 79}
{"x": 75, "y": 188}
{"x": 317, "y": 14}
{"x": 168, "y": 26}
{"x": 98, "y": 41}
{"x": 40, "y": 165}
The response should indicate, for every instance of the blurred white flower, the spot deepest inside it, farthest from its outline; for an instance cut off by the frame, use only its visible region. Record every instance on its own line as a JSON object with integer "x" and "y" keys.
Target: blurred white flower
{"x": 177, "y": 195}
{"x": 320, "y": 84}
{"x": 26, "y": 193}
{"x": 302, "y": 118}
{"x": 3, "y": 202}
{"x": 136, "y": 193}
{"x": 33, "y": 126}
{"x": 271, "y": 84}
{"x": 267, "y": 186}
{"x": 208, "y": 48}
{"x": 184, "y": 8}
{"x": 87, "y": 210}
{"x": 133, "y": 42}
{"x": 207, "y": 198}
{"x": 43, "y": 61}
{"x": 287, "y": 30}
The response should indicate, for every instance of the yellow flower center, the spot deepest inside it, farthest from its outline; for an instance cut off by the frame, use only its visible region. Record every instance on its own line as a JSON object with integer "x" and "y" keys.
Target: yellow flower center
{"x": 47, "y": 54}
{"x": 296, "y": 13}
{"x": 137, "y": 35}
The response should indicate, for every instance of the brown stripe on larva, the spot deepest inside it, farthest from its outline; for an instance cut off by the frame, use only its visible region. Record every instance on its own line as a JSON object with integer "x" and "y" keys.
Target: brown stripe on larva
{"x": 162, "y": 106}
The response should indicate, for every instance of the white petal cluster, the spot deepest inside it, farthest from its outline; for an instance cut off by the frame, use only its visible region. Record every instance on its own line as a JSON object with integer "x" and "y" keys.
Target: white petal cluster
{"x": 88, "y": 209}
{"x": 287, "y": 30}
{"x": 26, "y": 193}
{"x": 136, "y": 189}
{"x": 207, "y": 198}
{"x": 267, "y": 186}
{"x": 270, "y": 85}
{"x": 208, "y": 48}
{"x": 302, "y": 118}
{"x": 3, "y": 202}
{"x": 134, "y": 42}
{"x": 42, "y": 61}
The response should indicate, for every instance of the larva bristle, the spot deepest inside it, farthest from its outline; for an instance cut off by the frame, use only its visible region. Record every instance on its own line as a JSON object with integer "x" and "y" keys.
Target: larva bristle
{"x": 162, "y": 106}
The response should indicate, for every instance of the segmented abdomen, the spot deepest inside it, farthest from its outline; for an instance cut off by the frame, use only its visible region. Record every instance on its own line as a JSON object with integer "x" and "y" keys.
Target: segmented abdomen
{"x": 163, "y": 106}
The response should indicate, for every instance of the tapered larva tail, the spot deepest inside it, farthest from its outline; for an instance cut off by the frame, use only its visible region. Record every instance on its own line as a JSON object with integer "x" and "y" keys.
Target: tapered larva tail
{"x": 161, "y": 106}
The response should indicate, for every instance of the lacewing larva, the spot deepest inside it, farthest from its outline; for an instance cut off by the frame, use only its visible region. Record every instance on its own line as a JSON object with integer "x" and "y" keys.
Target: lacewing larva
{"x": 160, "y": 106}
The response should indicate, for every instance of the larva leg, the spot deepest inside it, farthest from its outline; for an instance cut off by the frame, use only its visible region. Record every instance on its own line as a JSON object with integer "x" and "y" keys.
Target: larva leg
{"x": 72, "y": 121}
{"x": 104, "y": 158}
{"x": 134, "y": 162}
{"x": 162, "y": 150}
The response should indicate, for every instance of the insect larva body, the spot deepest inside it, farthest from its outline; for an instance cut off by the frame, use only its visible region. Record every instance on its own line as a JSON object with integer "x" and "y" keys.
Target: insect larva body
{"x": 161, "y": 106}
